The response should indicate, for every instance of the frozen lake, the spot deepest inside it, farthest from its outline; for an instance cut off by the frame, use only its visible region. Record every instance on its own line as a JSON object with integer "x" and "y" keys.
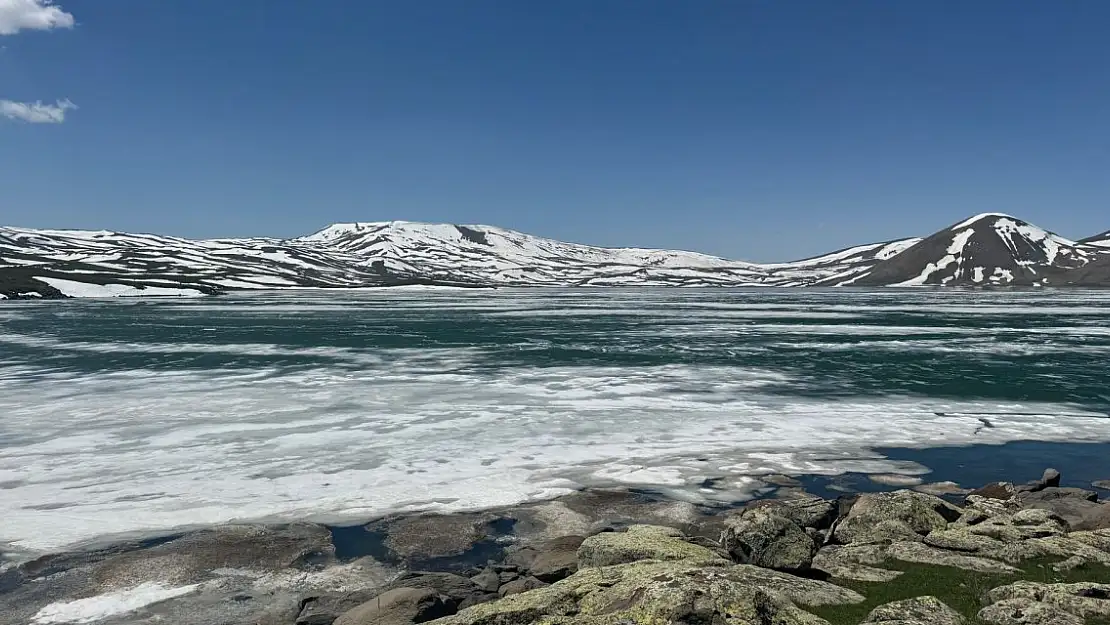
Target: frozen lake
{"x": 143, "y": 415}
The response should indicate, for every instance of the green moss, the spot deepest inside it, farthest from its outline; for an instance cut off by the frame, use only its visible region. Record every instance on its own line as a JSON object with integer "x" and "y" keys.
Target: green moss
{"x": 960, "y": 589}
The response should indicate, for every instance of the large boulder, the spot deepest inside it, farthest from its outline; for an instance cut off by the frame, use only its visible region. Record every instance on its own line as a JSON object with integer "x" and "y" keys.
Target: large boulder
{"x": 918, "y": 611}
{"x": 883, "y": 517}
{"x": 762, "y": 537}
{"x": 1076, "y": 506}
{"x": 551, "y": 560}
{"x": 400, "y": 606}
{"x": 805, "y": 512}
{"x": 877, "y": 554}
{"x": 641, "y": 542}
{"x": 458, "y": 591}
{"x": 664, "y": 592}
{"x": 1084, "y": 600}
{"x": 838, "y": 562}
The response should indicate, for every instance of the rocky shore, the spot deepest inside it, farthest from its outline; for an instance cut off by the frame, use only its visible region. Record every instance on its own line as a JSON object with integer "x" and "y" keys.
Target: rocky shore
{"x": 1003, "y": 554}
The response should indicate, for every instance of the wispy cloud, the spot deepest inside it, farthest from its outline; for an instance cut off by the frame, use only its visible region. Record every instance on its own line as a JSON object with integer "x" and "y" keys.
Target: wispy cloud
{"x": 17, "y": 15}
{"x": 36, "y": 112}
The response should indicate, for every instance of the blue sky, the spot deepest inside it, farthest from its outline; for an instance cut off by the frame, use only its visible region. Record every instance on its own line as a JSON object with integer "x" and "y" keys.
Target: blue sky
{"x": 751, "y": 129}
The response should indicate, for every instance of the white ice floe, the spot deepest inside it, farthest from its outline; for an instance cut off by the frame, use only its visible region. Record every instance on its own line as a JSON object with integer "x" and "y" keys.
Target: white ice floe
{"x": 103, "y": 606}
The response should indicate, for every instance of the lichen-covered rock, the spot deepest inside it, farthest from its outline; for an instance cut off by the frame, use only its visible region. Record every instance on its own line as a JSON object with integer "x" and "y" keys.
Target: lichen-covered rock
{"x": 1054, "y": 547}
{"x": 664, "y": 592}
{"x": 961, "y": 539}
{"x": 874, "y": 554}
{"x": 874, "y": 515}
{"x": 1025, "y": 612}
{"x": 835, "y": 561}
{"x": 918, "y": 611}
{"x": 400, "y": 606}
{"x": 806, "y": 512}
{"x": 762, "y": 537}
{"x": 640, "y": 542}
{"x": 924, "y": 554}
{"x": 1085, "y": 600}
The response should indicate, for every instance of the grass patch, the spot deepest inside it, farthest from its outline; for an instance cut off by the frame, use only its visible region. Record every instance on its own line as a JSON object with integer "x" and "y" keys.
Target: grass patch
{"x": 961, "y": 590}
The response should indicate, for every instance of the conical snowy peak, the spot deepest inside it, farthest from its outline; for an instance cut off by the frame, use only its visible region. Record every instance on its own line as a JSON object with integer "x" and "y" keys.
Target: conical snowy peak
{"x": 988, "y": 249}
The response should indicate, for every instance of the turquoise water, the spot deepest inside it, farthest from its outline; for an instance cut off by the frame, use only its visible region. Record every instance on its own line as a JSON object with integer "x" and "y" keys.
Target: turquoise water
{"x": 145, "y": 414}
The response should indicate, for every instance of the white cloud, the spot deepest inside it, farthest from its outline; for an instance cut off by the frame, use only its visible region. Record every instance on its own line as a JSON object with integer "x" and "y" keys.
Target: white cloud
{"x": 17, "y": 15}
{"x": 36, "y": 112}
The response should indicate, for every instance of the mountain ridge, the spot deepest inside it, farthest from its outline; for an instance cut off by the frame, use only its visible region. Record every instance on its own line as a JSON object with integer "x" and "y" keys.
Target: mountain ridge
{"x": 988, "y": 250}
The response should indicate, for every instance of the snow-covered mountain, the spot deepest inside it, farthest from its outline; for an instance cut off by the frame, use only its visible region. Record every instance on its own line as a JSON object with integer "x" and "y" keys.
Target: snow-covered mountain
{"x": 991, "y": 249}
{"x": 988, "y": 249}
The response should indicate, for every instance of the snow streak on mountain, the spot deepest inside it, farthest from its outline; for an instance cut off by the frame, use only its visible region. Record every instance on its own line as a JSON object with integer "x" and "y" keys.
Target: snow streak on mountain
{"x": 990, "y": 249}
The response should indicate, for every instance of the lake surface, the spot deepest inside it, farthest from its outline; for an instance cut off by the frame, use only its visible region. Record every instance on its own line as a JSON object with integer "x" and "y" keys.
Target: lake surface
{"x": 143, "y": 415}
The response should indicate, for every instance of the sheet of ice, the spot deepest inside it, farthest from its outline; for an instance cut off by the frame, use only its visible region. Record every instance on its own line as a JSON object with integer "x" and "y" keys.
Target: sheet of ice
{"x": 145, "y": 451}
{"x": 86, "y": 289}
{"x": 110, "y": 604}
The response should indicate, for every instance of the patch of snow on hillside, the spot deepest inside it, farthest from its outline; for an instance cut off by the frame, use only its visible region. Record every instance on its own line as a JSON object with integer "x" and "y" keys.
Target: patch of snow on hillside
{"x": 955, "y": 255}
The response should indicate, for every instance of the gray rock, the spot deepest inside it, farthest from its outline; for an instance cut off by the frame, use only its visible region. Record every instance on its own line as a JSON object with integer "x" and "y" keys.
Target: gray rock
{"x": 640, "y": 542}
{"x": 682, "y": 591}
{"x": 517, "y": 586}
{"x": 924, "y": 554}
{"x": 323, "y": 609}
{"x": 1080, "y": 514}
{"x": 400, "y": 606}
{"x": 761, "y": 537}
{"x": 1054, "y": 493}
{"x": 1025, "y": 612}
{"x": 918, "y": 611}
{"x": 1085, "y": 600}
{"x": 834, "y": 561}
{"x": 1050, "y": 479}
{"x": 457, "y": 589}
{"x": 487, "y": 581}
{"x": 806, "y": 512}
{"x": 881, "y": 516}
{"x": 556, "y": 559}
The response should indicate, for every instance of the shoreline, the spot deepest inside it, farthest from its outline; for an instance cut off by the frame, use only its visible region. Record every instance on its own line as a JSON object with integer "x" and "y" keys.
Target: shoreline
{"x": 1082, "y": 462}
{"x": 282, "y": 563}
